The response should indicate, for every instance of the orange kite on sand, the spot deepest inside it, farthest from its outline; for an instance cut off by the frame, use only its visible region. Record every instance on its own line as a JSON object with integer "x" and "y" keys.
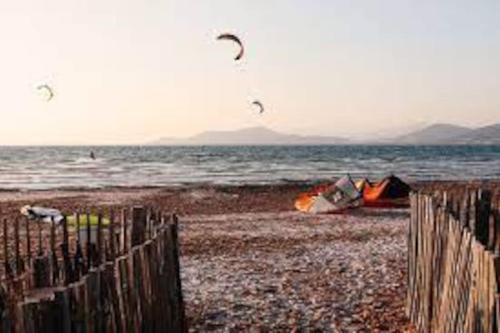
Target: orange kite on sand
{"x": 344, "y": 194}
{"x": 330, "y": 198}
{"x": 389, "y": 192}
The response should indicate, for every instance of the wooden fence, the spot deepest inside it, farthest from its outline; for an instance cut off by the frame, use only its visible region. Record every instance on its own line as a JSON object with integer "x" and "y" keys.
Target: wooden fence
{"x": 453, "y": 261}
{"x": 118, "y": 276}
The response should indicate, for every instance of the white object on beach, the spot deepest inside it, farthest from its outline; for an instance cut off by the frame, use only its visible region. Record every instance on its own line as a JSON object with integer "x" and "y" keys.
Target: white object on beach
{"x": 41, "y": 213}
{"x": 337, "y": 198}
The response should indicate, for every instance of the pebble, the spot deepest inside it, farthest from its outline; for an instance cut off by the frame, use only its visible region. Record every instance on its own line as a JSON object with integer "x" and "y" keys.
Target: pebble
{"x": 294, "y": 272}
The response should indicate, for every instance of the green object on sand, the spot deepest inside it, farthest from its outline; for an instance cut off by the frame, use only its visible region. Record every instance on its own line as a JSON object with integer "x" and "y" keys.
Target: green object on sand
{"x": 83, "y": 220}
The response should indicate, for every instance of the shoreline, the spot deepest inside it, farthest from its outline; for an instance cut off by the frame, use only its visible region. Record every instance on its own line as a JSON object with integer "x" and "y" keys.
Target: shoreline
{"x": 286, "y": 183}
{"x": 188, "y": 200}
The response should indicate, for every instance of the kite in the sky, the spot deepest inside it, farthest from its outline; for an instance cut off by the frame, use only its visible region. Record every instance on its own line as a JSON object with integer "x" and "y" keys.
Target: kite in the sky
{"x": 260, "y": 105}
{"x": 234, "y": 38}
{"x": 48, "y": 91}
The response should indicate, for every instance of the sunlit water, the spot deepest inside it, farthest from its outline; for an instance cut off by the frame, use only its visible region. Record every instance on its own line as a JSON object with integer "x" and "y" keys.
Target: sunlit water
{"x": 51, "y": 167}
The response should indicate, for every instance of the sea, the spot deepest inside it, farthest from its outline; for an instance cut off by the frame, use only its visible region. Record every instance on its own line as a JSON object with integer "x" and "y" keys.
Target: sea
{"x": 150, "y": 166}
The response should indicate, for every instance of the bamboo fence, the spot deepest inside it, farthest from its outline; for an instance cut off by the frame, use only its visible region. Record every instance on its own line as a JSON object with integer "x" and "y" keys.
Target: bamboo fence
{"x": 120, "y": 277}
{"x": 453, "y": 261}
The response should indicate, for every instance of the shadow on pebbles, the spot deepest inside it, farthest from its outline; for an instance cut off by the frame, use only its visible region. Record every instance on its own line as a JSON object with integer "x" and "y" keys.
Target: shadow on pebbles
{"x": 293, "y": 272}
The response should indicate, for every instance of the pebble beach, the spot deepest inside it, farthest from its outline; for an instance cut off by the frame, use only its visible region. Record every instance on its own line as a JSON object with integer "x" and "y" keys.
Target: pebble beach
{"x": 295, "y": 272}
{"x": 250, "y": 262}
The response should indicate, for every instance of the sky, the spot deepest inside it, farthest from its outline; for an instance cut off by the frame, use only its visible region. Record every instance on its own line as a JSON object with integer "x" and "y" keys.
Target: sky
{"x": 130, "y": 71}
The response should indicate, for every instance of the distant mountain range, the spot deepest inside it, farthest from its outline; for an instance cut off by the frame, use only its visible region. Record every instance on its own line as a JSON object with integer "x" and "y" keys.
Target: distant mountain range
{"x": 431, "y": 135}
{"x": 451, "y": 134}
{"x": 250, "y": 136}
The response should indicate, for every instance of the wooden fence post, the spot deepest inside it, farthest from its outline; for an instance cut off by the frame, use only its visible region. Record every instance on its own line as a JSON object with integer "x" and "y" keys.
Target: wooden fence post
{"x": 40, "y": 241}
{"x": 54, "y": 265}
{"x": 62, "y": 314}
{"x": 8, "y": 271}
{"x": 496, "y": 218}
{"x": 483, "y": 216}
{"x": 19, "y": 261}
{"x": 493, "y": 231}
{"x": 124, "y": 233}
{"x": 472, "y": 211}
{"x": 41, "y": 273}
{"x": 28, "y": 241}
{"x": 138, "y": 225}
{"x": 112, "y": 236}
{"x": 99, "y": 255}
{"x": 78, "y": 259}
{"x": 68, "y": 272}
{"x": 179, "y": 305}
{"x": 90, "y": 252}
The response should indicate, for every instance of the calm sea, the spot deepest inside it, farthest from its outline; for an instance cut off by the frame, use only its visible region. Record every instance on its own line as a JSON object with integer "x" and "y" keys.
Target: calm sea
{"x": 51, "y": 167}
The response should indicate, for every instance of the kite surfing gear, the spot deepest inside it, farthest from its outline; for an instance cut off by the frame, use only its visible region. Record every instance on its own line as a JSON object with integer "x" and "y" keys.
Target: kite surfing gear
{"x": 260, "y": 105}
{"x": 389, "y": 192}
{"x": 43, "y": 214}
{"x": 47, "y": 90}
{"x": 330, "y": 199}
{"x": 234, "y": 38}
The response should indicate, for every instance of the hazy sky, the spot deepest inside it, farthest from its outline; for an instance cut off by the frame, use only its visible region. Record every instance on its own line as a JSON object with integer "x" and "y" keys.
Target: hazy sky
{"x": 128, "y": 71}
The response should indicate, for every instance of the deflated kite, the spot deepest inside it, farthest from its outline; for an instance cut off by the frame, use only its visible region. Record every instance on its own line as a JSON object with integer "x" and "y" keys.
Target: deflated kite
{"x": 389, "y": 192}
{"x": 43, "y": 214}
{"x": 234, "y": 38}
{"x": 335, "y": 198}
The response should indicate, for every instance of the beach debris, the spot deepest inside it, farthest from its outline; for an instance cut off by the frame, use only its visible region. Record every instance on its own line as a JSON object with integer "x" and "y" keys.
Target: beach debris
{"x": 260, "y": 105}
{"x": 47, "y": 90}
{"x": 44, "y": 214}
{"x": 236, "y": 39}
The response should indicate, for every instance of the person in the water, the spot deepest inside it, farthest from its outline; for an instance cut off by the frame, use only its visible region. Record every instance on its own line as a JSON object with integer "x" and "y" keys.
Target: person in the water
{"x": 92, "y": 155}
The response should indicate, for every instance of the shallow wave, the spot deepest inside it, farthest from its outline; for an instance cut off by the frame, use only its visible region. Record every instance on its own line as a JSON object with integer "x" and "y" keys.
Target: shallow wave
{"x": 53, "y": 167}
